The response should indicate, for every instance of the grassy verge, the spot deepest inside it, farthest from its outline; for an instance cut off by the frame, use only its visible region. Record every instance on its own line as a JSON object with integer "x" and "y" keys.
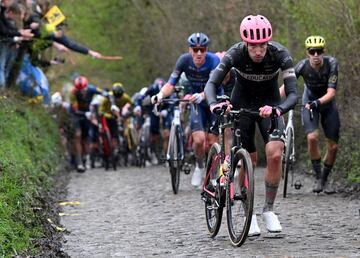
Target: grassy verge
{"x": 29, "y": 154}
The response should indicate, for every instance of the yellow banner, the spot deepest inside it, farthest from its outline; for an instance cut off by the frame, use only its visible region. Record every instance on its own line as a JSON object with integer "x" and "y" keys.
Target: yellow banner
{"x": 54, "y": 16}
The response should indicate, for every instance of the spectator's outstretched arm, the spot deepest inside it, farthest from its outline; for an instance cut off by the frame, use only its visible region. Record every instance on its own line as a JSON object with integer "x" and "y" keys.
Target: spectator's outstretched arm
{"x": 74, "y": 46}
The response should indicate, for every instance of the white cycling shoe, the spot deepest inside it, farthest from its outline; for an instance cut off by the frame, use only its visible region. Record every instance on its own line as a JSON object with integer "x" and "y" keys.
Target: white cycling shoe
{"x": 254, "y": 227}
{"x": 197, "y": 176}
{"x": 272, "y": 222}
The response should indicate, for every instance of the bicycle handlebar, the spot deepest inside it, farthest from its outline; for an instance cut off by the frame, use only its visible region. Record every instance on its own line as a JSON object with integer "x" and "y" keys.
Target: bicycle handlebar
{"x": 172, "y": 101}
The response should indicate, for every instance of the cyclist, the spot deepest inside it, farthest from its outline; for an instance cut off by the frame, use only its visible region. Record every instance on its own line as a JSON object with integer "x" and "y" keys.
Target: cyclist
{"x": 197, "y": 65}
{"x": 60, "y": 111}
{"x": 257, "y": 61}
{"x": 80, "y": 98}
{"x": 154, "y": 119}
{"x": 118, "y": 104}
{"x": 320, "y": 74}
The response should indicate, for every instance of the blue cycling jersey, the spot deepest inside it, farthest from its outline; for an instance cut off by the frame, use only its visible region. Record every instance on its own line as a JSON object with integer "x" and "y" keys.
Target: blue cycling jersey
{"x": 197, "y": 76}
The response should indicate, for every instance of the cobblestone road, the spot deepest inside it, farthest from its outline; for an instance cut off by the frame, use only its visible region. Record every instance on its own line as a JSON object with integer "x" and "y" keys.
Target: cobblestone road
{"x": 133, "y": 213}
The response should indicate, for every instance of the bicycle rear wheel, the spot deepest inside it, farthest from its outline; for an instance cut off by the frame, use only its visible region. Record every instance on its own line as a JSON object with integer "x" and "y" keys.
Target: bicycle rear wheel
{"x": 214, "y": 203}
{"x": 175, "y": 162}
{"x": 286, "y": 161}
{"x": 240, "y": 198}
{"x": 107, "y": 149}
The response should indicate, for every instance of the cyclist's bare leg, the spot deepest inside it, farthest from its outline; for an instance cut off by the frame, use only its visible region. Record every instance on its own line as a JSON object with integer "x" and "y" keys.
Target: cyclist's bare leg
{"x": 199, "y": 147}
{"x": 329, "y": 161}
{"x": 78, "y": 146}
{"x": 154, "y": 141}
{"x": 313, "y": 145}
{"x": 273, "y": 152}
{"x": 165, "y": 135}
{"x": 211, "y": 139}
{"x": 228, "y": 140}
{"x": 315, "y": 157}
{"x": 331, "y": 151}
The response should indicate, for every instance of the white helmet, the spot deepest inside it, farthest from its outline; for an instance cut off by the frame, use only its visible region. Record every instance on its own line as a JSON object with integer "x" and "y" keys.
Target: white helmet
{"x": 143, "y": 91}
{"x": 56, "y": 99}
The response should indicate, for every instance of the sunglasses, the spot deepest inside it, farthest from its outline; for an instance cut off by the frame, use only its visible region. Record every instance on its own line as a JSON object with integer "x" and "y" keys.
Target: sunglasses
{"x": 319, "y": 51}
{"x": 196, "y": 49}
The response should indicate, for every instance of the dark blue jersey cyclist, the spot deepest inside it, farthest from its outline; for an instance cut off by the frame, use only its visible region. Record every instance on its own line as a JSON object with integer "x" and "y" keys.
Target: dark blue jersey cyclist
{"x": 197, "y": 65}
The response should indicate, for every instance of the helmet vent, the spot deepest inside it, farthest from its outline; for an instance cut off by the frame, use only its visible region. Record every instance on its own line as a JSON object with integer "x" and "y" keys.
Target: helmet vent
{"x": 252, "y": 34}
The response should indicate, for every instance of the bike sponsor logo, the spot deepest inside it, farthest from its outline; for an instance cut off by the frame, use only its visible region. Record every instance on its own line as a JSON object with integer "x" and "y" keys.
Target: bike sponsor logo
{"x": 258, "y": 77}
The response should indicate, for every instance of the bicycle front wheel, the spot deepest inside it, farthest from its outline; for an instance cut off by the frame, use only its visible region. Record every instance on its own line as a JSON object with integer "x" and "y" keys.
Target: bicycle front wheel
{"x": 240, "y": 197}
{"x": 287, "y": 162}
{"x": 107, "y": 149}
{"x": 175, "y": 162}
{"x": 212, "y": 193}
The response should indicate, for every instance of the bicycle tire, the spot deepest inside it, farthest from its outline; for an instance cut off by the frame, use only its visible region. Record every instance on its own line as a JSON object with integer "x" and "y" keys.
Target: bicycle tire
{"x": 107, "y": 149}
{"x": 286, "y": 162}
{"x": 213, "y": 205}
{"x": 240, "y": 198}
{"x": 175, "y": 162}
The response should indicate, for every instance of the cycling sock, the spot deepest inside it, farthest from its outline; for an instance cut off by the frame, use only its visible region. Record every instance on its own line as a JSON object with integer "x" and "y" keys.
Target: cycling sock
{"x": 78, "y": 159}
{"x": 326, "y": 172}
{"x": 316, "y": 164}
{"x": 270, "y": 191}
{"x": 200, "y": 162}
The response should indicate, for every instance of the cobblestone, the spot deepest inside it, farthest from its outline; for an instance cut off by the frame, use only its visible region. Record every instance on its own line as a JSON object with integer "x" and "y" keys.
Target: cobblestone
{"x": 133, "y": 212}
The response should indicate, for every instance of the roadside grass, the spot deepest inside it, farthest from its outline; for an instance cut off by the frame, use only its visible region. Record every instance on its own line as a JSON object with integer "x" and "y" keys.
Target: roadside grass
{"x": 29, "y": 155}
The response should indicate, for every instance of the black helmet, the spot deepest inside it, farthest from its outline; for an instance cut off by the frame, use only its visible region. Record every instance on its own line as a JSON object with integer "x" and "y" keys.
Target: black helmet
{"x": 198, "y": 39}
{"x": 159, "y": 82}
{"x": 118, "y": 89}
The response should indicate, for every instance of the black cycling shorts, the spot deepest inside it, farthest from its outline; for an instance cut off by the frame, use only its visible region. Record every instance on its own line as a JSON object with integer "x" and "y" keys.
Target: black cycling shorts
{"x": 247, "y": 131}
{"x": 329, "y": 117}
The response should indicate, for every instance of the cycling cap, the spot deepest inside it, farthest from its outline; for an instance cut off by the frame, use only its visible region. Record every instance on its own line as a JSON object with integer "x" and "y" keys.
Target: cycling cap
{"x": 255, "y": 29}
{"x": 56, "y": 99}
{"x": 198, "y": 39}
{"x": 118, "y": 89}
{"x": 315, "y": 42}
{"x": 80, "y": 82}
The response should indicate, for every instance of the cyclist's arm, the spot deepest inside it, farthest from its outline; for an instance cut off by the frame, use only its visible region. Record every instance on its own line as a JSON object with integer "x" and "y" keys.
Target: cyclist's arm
{"x": 332, "y": 82}
{"x": 329, "y": 96}
{"x": 168, "y": 88}
{"x": 290, "y": 86}
{"x": 217, "y": 76}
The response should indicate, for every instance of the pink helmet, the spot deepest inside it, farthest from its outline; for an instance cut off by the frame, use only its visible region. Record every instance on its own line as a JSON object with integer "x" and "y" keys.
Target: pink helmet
{"x": 255, "y": 29}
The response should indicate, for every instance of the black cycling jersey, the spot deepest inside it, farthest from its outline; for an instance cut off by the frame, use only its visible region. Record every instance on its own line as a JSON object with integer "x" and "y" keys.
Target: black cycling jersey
{"x": 230, "y": 84}
{"x": 257, "y": 82}
{"x": 316, "y": 82}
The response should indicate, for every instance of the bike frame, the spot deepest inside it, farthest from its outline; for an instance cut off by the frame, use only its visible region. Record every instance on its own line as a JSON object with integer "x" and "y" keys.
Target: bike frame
{"x": 175, "y": 124}
{"x": 290, "y": 126}
{"x": 105, "y": 130}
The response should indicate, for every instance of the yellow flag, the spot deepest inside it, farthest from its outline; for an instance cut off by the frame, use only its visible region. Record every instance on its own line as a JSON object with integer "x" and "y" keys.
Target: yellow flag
{"x": 54, "y": 16}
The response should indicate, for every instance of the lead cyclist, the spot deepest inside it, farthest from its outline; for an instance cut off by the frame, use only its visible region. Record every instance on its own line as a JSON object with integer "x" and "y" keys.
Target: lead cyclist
{"x": 257, "y": 61}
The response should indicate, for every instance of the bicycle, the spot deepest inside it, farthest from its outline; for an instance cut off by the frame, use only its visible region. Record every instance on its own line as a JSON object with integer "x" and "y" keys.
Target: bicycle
{"x": 175, "y": 153}
{"x": 143, "y": 148}
{"x": 288, "y": 155}
{"x": 232, "y": 185}
{"x": 108, "y": 152}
